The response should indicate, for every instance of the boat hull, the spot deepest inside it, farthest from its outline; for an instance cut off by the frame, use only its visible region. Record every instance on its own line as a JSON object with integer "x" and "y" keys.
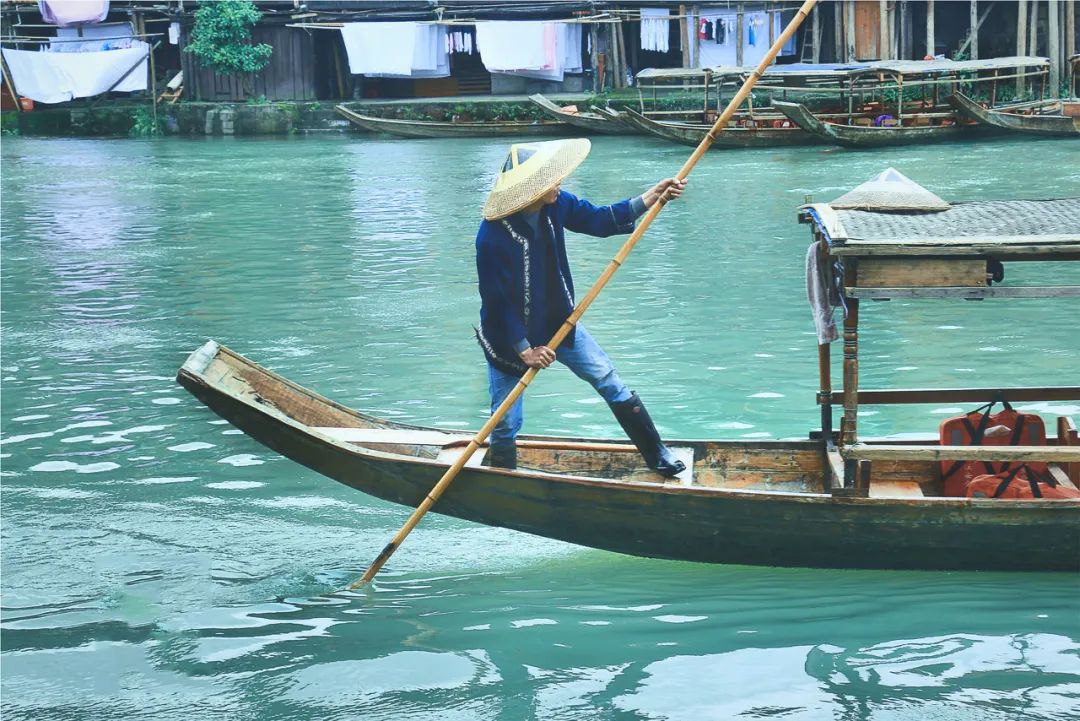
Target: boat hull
{"x": 1044, "y": 125}
{"x": 662, "y": 520}
{"x": 431, "y": 129}
{"x": 589, "y": 122}
{"x": 730, "y": 137}
{"x": 857, "y": 136}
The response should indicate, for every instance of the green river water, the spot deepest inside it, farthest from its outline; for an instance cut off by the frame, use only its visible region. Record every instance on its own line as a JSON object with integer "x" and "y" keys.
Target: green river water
{"x": 157, "y": 564}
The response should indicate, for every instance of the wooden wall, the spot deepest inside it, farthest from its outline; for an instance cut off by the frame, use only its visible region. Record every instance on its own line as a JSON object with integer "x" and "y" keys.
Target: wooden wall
{"x": 290, "y": 75}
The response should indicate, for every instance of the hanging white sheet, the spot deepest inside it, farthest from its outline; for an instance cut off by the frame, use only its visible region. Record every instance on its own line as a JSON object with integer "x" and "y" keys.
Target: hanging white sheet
{"x": 560, "y": 47}
{"x": 570, "y": 41}
{"x": 655, "y": 27}
{"x": 396, "y": 50}
{"x": 516, "y": 45}
{"x": 58, "y": 77}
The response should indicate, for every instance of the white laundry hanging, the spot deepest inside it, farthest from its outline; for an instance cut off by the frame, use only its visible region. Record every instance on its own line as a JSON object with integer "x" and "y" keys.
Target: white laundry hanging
{"x": 515, "y": 45}
{"x": 48, "y": 77}
{"x": 395, "y": 49}
{"x": 655, "y": 29}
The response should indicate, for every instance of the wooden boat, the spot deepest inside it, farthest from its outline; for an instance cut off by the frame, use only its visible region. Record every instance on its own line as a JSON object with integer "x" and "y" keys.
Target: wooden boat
{"x": 433, "y": 129}
{"x": 1033, "y": 123}
{"x": 730, "y": 137}
{"x": 759, "y": 502}
{"x": 859, "y": 136}
{"x": 590, "y": 122}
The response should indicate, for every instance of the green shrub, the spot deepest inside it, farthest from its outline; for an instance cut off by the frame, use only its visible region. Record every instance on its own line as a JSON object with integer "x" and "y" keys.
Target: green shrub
{"x": 221, "y": 39}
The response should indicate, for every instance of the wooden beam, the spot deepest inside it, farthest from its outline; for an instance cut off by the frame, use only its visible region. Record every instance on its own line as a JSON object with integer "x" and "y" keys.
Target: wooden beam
{"x": 815, "y": 35}
{"x": 849, "y": 31}
{"x": 695, "y": 46}
{"x": 922, "y": 272}
{"x": 1044, "y": 454}
{"x": 1053, "y": 48}
{"x": 1021, "y": 41}
{"x": 931, "y": 42}
{"x": 884, "y": 37}
{"x": 973, "y": 23}
{"x": 1033, "y": 28}
{"x": 1060, "y": 476}
{"x": 960, "y": 395}
{"x": 622, "y": 52}
{"x": 838, "y": 31}
{"x": 974, "y": 36}
{"x": 1068, "y": 436}
{"x": 1061, "y": 291}
{"x": 740, "y": 30}
{"x": 851, "y": 370}
{"x": 835, "y": 475}
{"x": 684, "y": 39}
{"x": 1070, "y": 38}
{"x": 1002, "y": 248}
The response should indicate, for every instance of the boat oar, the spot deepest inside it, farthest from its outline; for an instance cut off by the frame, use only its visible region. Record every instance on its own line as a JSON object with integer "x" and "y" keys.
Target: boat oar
{"x": 564, "y": 330}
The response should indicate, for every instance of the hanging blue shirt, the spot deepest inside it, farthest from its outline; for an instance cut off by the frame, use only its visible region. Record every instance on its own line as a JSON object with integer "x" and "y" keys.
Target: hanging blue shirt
{"x": 526, "y": 290}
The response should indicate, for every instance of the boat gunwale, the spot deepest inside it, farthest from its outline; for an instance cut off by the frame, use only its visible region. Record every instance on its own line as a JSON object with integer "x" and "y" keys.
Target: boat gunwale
{"x": 279, "y": 416}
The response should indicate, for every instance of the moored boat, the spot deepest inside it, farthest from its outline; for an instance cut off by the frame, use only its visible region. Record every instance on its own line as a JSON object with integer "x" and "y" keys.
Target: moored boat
{"x": 588, "y": 121}
{"x": 763, "y": 134}
{"x": 870, "y": 136}
{"x": 434, "y": 129}
{"x": 1042, "y": 119}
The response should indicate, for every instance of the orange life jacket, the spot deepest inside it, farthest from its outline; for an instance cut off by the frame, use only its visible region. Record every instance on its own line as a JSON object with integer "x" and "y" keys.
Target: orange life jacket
{"x": 979, "y": 428}
{"x": 1021, "y": 482}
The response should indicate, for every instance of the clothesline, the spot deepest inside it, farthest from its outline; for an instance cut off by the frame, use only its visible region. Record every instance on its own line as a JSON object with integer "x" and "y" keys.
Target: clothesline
{"x": 599, "y": 20}
{"x": 77, "y": 40}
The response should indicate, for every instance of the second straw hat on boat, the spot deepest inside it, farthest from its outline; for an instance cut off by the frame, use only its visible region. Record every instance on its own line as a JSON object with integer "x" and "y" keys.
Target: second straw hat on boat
{"x": 530, "y": 171}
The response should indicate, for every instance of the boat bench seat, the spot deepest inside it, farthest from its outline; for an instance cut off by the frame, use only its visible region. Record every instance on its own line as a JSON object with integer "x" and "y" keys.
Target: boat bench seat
{"x": 895, "y": 489}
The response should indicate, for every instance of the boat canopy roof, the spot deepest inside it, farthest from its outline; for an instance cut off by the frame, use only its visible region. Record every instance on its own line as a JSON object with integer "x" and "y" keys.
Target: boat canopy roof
{"x": 1051, "y": 226}
{"x": 825, "y": 70}
{"x": 789, "y": 70}
{"x": 917, "y": 67}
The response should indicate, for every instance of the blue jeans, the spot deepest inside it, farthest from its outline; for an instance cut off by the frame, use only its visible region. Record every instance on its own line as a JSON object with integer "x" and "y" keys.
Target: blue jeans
{"x": 586, "y": 359}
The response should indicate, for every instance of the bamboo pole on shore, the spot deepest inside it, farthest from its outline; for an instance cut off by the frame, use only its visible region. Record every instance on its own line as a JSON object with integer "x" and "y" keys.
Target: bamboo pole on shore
{"x": 587, "y": 301}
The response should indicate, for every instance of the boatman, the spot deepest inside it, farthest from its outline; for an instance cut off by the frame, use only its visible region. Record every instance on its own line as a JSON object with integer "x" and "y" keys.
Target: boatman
{"x": 527, "y": 292}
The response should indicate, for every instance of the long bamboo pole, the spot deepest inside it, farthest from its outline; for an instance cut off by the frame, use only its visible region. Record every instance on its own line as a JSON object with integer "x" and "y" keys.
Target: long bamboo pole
{"x": 568, "y": 325}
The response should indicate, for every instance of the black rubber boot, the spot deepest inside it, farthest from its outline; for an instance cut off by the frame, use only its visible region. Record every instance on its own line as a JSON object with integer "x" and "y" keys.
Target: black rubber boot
{"x": 635, "y": 420}
{"x": 502, "y": 456}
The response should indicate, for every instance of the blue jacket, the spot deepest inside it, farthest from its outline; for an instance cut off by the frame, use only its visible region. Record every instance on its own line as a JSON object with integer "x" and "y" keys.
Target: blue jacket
{"x": 526, "y": 290}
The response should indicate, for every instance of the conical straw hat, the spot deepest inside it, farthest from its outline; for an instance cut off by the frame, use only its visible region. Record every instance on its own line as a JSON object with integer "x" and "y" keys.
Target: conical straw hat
{"x": 532, "y": 169}
{"x": 890, "y": 191}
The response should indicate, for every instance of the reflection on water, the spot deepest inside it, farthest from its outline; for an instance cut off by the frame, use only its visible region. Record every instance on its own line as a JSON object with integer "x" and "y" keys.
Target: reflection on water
{"x": 158, "y": 564}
